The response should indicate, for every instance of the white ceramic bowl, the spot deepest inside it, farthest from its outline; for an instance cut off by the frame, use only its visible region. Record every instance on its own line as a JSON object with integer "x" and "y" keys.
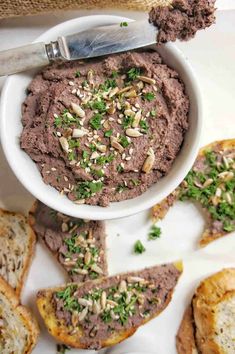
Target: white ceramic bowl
{"x": 14, "y": 93}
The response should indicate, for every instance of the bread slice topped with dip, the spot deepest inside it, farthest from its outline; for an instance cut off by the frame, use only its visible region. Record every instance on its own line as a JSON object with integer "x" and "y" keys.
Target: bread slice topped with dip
{"x": 18, "y": 330}
{"x": 78, "y": 245}
{"x": 106, "y": 311}
{"x": 17, "y": 243}
{"x": 208, "y": 325}
{"x": 211, "y": 185}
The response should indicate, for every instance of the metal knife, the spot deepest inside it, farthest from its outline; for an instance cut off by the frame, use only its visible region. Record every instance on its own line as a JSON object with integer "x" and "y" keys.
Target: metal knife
{"x": 87, "y": 44}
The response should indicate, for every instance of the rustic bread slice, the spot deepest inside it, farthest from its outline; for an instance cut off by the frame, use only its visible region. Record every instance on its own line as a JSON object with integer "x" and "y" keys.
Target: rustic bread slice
{"x": 106, "y": 311}
{"x": 18, "y": 329}
{"x": 225, "y": 151}
{"x": 78, "y": 245}
{"x": 214, "y": 313}
{"x": 185, "y": 339}
{"x": 208, "y": 325}
{"x": 17, "y": 243}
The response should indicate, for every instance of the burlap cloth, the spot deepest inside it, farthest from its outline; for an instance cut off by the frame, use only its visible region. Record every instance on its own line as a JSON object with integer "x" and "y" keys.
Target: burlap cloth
{"x": 13, "y": 8}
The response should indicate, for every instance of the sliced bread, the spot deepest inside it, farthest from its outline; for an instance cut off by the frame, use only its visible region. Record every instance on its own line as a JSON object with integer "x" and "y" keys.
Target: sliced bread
{"x": 211, "y": 185}
{"x": 106, "y": 311}
{"x": 17, "y": 243}
{"x": 18, "y": 330}
{"x": 209, "y": 325}
{"x": 78, "y": 245}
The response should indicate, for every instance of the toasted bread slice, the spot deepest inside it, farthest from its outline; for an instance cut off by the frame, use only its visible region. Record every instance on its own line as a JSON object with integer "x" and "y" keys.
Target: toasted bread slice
{"x": 208, "y": 325}
{"x": 17, "y": 243}
{"x": 106, "y": 311}
{"x": 78, "y": 246}
{"x": 19, "y": 330}
{"x": 185, "y": 339}
{"x": 214, "y": 313}
{"x": 225, "y": 150}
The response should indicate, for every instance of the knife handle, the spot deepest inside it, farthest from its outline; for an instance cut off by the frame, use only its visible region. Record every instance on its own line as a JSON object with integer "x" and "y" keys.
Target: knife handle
{"x": 23, "y": 58}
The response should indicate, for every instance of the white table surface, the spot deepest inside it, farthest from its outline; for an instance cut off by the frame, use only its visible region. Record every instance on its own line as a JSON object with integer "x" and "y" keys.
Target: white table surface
{"x": 212, "y": 54}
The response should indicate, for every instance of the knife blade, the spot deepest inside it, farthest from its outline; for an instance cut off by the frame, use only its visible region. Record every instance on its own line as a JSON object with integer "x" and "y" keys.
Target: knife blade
{"x": 107, "y": 40}
{"x": 97, "y": 41}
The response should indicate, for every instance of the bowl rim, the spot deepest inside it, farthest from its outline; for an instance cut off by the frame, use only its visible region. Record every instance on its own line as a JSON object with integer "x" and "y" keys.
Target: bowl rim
{"x": 99, "y": 212}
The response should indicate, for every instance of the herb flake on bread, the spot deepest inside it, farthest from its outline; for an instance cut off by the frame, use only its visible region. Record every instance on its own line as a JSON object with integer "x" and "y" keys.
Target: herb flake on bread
{"x": 106, "y": 311}
{"x": 210, "y": 184}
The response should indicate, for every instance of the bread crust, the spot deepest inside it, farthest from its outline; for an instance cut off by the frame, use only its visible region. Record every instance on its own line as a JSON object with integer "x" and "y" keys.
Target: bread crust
{"x": 208, "y": 295}
{"x": 160, "y": 210}
{"x": 198, "y": 328}
{"x": 27, "y": 319}
{"x": 30, "y": 247}
{"x": 185, "y": 339}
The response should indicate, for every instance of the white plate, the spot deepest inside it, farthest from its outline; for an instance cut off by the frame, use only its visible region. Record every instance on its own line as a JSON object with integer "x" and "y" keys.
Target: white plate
{"x": 26, "y": 170}
{"x": 181, "y": 227}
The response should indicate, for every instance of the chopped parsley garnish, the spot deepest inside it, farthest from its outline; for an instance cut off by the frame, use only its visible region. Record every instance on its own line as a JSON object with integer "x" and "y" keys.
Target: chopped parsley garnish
{"x": 153, "y": 113}
{"x": 85, "y": 154}
{"x": 154, "y": 233}
{"x": 114, "y": 74}
{"x": 109, "y": 83}
{"x": 124, "y": 141}
{"x": 133, "y": 73}
{"x": 106, "y": 316}
{"x": 219, "y": 207}
{"x": 67, "y": 296}
{"x": 73, "y": 143}
{"x": 86, "y": 189}
{"x": 99, "y": 105}
{"x": 211, "y": 158}
{"x": 139, "y": 247}
{"x": 146, "y": 313}
{"x": 71, "y": 244}
{"x": 85, "y": 83}
{"x": 57, "y": 121}
{"x": 66, "y": 119}
{"x": 120, "y": 168}
{"x": 99, "y": 173}
{"x": 102, "y": 160}
{"x": 123, "y": 24}
{"x": 108, "y": 133}
{"x": 135, "y": 182}
{"x": 93, "y": 275}
{"x": 72, "y": 156}
{"x": 149, "y": 96}
{"x": 121, "y": 187}
{"x": 77, "y": 73}
{"x": 93, "y": 147}
{"x": 144, "y": 126}
{"x": 228, "y": 226}
{"x": 127, "y": 121}
{"x": 95, "y": 121}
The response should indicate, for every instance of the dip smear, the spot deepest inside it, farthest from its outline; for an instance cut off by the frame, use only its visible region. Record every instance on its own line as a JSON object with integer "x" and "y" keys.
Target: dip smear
{"x": 210, "y": 184}
{"x": 181, "y": 19}
{"x": 78, "y": 245}
{"x": 104, "y": 312}
{"x": 106, "y": 129}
